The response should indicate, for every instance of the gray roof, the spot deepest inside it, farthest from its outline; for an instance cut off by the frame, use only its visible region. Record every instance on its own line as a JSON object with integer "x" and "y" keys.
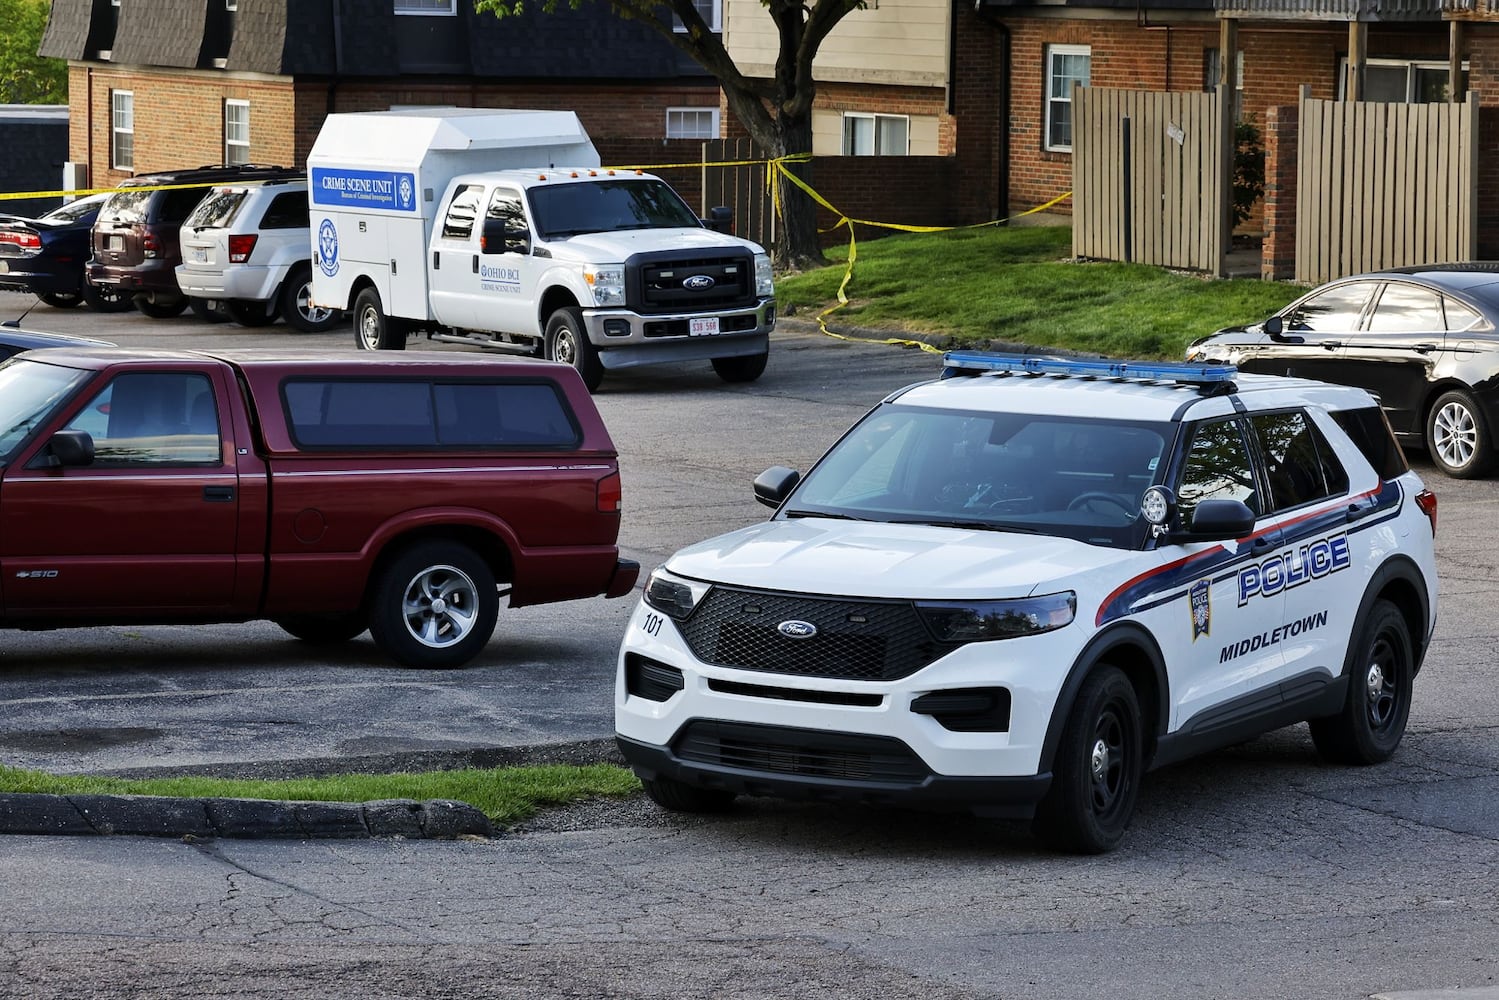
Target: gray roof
{"x": 160, "y": 33}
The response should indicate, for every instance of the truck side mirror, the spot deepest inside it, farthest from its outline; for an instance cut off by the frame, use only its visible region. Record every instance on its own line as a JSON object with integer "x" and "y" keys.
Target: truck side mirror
{"x": 69, "y": 447}
{"x": 498, "y": 237}
{"x": 720, "y": 220}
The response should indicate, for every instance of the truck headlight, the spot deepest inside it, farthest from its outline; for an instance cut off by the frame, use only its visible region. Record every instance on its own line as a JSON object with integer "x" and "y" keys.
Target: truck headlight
{"x": 673, "y": 595}
{"x": 977, "y": 621}
{"x": 765, "y": 279}
{"x": 608, "y": 284}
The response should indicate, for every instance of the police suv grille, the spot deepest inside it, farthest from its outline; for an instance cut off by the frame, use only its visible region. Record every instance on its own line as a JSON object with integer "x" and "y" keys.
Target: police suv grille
{"x": 855, "y": 640}
{"x": 665, "y": 283}
{"x": 802, "y": 752}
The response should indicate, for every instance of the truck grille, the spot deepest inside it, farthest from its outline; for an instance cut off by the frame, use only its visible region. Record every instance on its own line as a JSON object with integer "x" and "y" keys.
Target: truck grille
{"x": 855, "y": 640}
{"x": 663, "y": 282}
{"x": 805, "y": 753}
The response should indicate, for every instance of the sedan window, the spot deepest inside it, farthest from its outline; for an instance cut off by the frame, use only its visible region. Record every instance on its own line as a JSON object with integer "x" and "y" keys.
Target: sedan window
{"x": 1459, "y": 316}
{"x": 1406, "y": 308}
{"x": 1336, "y": 310}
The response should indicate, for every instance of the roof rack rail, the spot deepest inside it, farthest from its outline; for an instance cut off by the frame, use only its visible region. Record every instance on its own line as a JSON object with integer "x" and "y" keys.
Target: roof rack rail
{"x": 956, "y": 363}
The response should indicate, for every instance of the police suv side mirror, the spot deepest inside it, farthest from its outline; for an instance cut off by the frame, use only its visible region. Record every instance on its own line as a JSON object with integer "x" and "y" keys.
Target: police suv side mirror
{"x": 775, "y": 484}
{"x": 1215, "y": 520}
{"x": 720, "y": 219}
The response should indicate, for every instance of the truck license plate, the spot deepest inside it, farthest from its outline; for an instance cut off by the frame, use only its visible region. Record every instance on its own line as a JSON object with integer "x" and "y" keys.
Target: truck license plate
{"x": 703, "y": 327}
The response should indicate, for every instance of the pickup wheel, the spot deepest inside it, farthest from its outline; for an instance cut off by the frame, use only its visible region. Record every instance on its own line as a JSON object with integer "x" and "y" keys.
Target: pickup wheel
{"x": 741, "y": 369}
{"x": 373, "y": 330}
{"x": 250, "y": 312}
{"x": 325, "y": 630}
{"x": 296, "y": 304}
{"x": 434, "y": 606}
{"x": 567, "y": 341}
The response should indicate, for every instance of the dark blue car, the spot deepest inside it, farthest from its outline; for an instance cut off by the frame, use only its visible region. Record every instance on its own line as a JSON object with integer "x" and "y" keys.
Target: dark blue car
{"x": 46, "y": 256}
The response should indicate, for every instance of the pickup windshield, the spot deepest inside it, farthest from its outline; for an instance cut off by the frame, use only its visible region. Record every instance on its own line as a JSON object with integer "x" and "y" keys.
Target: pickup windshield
{"x": 567, "y": 210}
{"x": 1034, "y": 474}
{"x": 28, "y": 394}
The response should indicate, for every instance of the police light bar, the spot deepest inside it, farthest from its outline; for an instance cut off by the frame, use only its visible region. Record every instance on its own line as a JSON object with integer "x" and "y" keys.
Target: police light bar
{"x": 974, "y": 362}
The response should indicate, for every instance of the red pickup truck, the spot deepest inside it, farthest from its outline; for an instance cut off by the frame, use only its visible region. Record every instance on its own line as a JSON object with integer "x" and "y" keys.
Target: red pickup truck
{"x": 329, "y": 493}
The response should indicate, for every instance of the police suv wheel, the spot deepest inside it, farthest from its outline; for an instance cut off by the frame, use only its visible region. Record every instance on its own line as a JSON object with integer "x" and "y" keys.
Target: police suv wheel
{"x": 434, "y": 606}
{"x": 1380, "y": 672}
{"x": 678, "y": 796}
{"x": 1096, "y": 773}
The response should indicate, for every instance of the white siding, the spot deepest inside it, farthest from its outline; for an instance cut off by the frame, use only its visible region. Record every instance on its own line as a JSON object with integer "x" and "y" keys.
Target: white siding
{"x": 892, "y": 42}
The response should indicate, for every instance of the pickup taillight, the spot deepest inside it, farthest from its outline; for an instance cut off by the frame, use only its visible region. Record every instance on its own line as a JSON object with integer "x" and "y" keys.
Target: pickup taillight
{"x": 610, "y": 494}
{"x": 24, "y": 239}
{"x": 1427, "y": 501}
{"x": 240, "y": 247}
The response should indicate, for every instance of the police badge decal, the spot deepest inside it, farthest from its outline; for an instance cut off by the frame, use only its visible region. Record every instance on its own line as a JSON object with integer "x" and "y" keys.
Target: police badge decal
{"x": 1202, "y": 608}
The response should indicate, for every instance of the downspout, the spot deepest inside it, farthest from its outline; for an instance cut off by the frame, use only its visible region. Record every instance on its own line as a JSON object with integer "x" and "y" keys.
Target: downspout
{"x": 338, "y": 52}
{"x": 1002, "y": 164}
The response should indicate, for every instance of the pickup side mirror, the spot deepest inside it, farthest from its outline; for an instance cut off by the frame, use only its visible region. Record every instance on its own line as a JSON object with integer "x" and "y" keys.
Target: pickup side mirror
{"x": 1215, "y": 520}
{"x": 721, "y": 220}
{"x": 1274, "y": 327}
{"x": 68, "y": 448}
{"x": 498, "y": 236}
{"x": 775, "y": 484}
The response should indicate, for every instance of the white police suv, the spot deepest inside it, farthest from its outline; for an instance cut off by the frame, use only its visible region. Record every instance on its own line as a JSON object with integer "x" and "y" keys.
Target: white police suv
{"x": 1016, "y": 588}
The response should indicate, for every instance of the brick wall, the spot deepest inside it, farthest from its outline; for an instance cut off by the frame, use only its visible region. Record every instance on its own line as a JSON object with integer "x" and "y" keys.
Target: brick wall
{"x": 1278, "y": 251}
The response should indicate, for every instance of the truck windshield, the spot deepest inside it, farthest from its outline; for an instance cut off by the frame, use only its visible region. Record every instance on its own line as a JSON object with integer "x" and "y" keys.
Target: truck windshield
{"x": 1035, "y": 474}
{"x": 565, "y": 210}
{"x": 28, "y": 394}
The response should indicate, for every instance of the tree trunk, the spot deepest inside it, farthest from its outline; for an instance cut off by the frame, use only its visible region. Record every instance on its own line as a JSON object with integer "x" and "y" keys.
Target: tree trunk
{"x": 797, "y": 244}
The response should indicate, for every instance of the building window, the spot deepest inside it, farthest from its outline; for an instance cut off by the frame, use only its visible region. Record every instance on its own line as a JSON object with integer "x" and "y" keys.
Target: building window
{"x": 1065, "y": 65}
{"x": 231, "y": 4}
{"x": 1402, "y": 81}
{"x": 876, "y": 135}
{"x": 692, "y": 123}
{"x": 1212, "y": 68}
{"x": 122, "y": 129}
{"x": 711, "y": 11}
{"x": 433, "y": 8}
{"x": 236, "y": 131}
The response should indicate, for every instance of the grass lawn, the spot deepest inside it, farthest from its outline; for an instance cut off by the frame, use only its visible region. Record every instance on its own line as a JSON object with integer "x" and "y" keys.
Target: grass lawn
{"x": 1019, "y": 285}
{"x": 506, "y": 794}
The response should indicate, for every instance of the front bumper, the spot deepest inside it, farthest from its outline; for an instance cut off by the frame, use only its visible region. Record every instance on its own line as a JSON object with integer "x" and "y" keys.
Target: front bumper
{"x": 625, "y": 338}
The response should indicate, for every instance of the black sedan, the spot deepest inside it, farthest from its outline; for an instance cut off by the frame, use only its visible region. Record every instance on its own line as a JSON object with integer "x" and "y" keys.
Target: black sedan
{"x": 14, "y": 340}
{"x": 1424, "y": 339}
{"x": 46, "y": 256}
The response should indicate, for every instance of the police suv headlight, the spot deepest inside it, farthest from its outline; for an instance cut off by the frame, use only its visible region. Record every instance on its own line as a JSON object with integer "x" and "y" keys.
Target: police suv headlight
{"x": 673, "y": 595}
{"x": 977, "y": 621}
{"x": 765, "y": 279}
{"x": 608, "y": 284}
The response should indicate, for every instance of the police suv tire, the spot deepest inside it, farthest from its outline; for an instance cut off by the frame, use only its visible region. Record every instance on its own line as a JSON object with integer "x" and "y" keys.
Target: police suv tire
{"x": 567, "y": 341}
{"x": 1381, "y": 669}
{"x": 106, "y": 300}
{"x": 1457, "y": 437}
{"x": 745, "y": 368}
{"x": 678, "y": 796}
{"x": 434, "y": 606}
{"x": 1096, "y": 771}
{"x": 61, "y": 300}
{"x": 325, "y": 630}
{"x": 296, "y": 304}
{"x": 250, "y": 312}
{"x": 164, "y": 307}
{"x": 373, "y": 330}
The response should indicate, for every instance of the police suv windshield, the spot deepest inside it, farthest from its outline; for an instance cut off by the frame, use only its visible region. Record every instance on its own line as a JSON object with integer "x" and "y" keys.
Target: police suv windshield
{"x": 565, "y": 210}
{"x": 1054, "y": 475}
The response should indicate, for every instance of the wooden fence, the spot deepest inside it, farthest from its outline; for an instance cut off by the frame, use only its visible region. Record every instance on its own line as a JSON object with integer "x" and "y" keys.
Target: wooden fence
{"x": 740, "y": 187}
{"x": 1384, "y": 185}
{"x": 1151, "y": 177}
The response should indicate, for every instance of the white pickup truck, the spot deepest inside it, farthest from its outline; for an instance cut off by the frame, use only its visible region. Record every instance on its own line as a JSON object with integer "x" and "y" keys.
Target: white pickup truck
{"x": 501, "y": 229}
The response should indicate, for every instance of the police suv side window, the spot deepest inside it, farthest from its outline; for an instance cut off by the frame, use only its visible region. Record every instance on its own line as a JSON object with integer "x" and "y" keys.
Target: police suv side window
{"x": 1217, "y": 467}
{"x": 1299, "y": 465}
{"x": 458, "y": 222}
{"x": 1368, "y": 428}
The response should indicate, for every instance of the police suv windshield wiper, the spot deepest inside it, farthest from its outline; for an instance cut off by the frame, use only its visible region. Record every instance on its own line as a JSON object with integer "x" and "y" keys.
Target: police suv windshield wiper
{"x": 974, "y": 525}
{"x": 822, "y": 513}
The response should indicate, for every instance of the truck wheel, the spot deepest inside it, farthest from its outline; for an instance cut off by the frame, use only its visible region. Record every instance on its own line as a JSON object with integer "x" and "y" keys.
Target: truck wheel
{"x": 249, "y": 312}
{"x": 567, "y": 341}
{"x": 434, "y": 606}
{"x": 1096, "y": 773}
{"x": 746, "y": 368}
{"x": 325, "y": 630}
{"x": 678, "y": 796}
{"x": 296, "y": 304}
{"x": 161, "y": 306}
{"x": 208, "y": 310}
{"x": 373, "y": 330}
{"x": 1372, "y": 721}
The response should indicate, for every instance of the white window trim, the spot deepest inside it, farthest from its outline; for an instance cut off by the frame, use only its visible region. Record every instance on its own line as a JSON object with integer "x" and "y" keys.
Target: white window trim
{"x": 452, "y": 11}
{"x": 694, "y": 111}
{"x": 874, "y": 117}
{"x": 230, "y": 143}
{"x": 1048, "y": 99}
{"x": 1408, "y": 64}
{"x": 116, "y": 130}
{"x": 714, "y": 25}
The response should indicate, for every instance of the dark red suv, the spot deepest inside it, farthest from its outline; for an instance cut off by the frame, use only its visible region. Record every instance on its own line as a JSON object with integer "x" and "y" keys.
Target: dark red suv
{"x": 135, "y": 243}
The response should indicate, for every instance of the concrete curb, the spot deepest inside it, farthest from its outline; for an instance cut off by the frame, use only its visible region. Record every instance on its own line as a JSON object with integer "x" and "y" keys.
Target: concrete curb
{"x": 160, "y": 816}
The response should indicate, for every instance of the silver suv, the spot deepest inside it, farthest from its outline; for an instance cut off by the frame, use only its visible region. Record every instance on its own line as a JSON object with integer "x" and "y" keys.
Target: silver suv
{"x": 249, "y": 246}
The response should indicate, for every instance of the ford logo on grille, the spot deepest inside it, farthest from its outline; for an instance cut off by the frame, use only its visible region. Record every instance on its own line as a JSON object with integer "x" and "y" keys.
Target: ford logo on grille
{"x": 698, "y": 282}
{"x": 795, "y": 629}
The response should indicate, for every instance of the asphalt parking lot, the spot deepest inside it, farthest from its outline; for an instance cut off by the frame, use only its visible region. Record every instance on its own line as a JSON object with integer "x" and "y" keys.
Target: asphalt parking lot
{"x": 1254, "y": 872}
